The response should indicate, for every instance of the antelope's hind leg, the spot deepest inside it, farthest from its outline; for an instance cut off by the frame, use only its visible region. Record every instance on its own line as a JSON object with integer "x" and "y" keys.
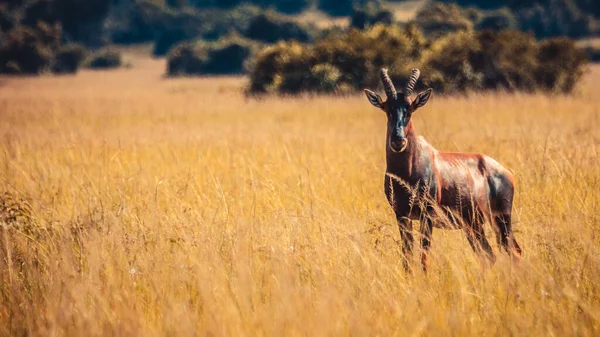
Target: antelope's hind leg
{"x": 507, "y": 238}
{"x": 476, "y": 237}
{"x": 502, "y": 209}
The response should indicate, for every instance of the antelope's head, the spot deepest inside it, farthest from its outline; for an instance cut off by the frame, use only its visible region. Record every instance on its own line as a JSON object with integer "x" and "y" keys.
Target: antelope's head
{"x": 398, "y": 107}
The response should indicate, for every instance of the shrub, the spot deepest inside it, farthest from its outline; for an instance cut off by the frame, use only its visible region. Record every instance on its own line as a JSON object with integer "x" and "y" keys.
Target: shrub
{"x": 177, "y": 26}
{"x": 356, "y": 57}
{"x": 167, "y": 39}
{"x": 7, "y": 20}
{"x": 560, "y": 65}
{"x": 226, "y": 56}
{"x": 146, "y": 20}
{"x": 82, "y": 20}
{"x": 546, "y": 18}
{"x": 593, "y": 53}
{"x": 135, "y": 21}
{"x": 270, "y": 27}
{"x": 498, "y": 20}
{"x": 105, "y": 59}
{"x": 26, "y": 50}
{"x": 508, "y": 60}
{"x": 186, "y": 59}
{"x": 438, "y": 19}
{"x": 590, "y": 6}
{"x": 69, "y": 58}
{"x": 447, "y": 67}
{"x": 370, "y": 14}
{"x": 212, "y": 24}
{"x": 484, "y": 60}
{"x": 556, "y": 18}
{"x": 458, "y": 62}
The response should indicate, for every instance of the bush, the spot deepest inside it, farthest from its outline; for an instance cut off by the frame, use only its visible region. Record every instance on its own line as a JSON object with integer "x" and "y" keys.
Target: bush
{"x": 167, "y": 39}
{"x": 593, "y": 53}
{"x": 81, "y": 20}
{"x": 484, "y": 60}
{"x": 356, "y": 57}
{"x": 146, "y": 20}
{"x": 508, "y": 60}
{"x": 557, "y": 18}
{"x": 270, "y": 27}
{"x": 135, "y": 21}
{"x": 25, "y": 50}
{"x": 590, "y": 6}
{"x": 177, "y": 26}
{"x": 7, "y": 20}
{"x": 438, "y": 19}
{"x": 559, "y": 65}
{"x": 498, "y": 20}
{"x": 105, "y": 59}
{"x": 458, "y": 62}
{"x": 69, "y": 58}
{"x": 226, "y": 56}
{"x": 586, "y": 6}
{"x": 174, "y": 26}
{"x": 546, "y": 18}
{"x": 370, "y": 14}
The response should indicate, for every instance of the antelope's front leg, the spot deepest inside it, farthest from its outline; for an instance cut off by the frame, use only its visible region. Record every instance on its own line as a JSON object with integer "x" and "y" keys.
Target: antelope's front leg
{"x": 405, "y": 226}
{"x": 426, "y": 234}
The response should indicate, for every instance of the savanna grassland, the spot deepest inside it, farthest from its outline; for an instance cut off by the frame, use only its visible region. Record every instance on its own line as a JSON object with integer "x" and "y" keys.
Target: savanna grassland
{"x": 136, "y": 205}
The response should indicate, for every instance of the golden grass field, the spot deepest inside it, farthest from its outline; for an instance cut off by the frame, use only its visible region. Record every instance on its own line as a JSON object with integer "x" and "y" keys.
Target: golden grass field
{"x": 177, "y": 207}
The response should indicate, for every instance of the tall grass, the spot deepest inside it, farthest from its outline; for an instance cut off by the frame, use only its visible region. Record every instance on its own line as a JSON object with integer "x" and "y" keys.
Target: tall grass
{"x": 178, "y": 207}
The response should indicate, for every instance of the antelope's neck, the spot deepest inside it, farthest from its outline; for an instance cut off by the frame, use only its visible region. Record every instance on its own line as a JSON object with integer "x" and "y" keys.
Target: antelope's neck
{"x": 401, "y": 163}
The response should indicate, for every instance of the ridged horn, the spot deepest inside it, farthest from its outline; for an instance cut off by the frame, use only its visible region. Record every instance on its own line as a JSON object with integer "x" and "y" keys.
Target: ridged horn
{"x": 390, "y": 91}
{"x": 412, "y": 80}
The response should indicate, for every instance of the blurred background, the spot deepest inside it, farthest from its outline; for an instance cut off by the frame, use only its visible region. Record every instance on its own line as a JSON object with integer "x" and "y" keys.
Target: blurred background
{"x": 330, "y": 46}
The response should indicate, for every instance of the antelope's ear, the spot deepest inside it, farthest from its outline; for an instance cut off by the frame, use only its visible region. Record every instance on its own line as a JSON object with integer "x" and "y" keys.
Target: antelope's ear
{"x": 374, "y": 98}
{"x": 421, "y": 99}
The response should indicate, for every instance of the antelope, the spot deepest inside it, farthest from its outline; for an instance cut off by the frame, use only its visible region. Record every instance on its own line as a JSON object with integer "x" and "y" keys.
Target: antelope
{"x": 440, "y": 189}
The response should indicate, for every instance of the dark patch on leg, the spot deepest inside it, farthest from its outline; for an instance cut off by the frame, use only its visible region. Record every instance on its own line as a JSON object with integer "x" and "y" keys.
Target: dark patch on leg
{"x": 426, "y": 235}
{"x": 501, "y": 199}
{"x": 405, "y": 227}
{"x": 501, "y": 192}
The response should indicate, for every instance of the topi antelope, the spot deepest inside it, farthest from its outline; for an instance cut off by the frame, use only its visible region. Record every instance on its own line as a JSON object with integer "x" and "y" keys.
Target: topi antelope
{"x": 444, "y": 190}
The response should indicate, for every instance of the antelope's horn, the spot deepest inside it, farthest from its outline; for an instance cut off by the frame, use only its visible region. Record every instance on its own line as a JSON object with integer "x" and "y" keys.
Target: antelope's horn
{"x": 412, "y": 80}
{"x": 390, "y": 91}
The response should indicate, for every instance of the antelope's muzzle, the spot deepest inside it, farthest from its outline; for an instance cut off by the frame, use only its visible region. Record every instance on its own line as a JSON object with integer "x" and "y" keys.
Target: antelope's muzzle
{"x": 398, "y": 144}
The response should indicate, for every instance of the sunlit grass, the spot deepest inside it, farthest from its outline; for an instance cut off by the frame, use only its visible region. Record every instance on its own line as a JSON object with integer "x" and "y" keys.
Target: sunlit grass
{"x": 178, "y": 207}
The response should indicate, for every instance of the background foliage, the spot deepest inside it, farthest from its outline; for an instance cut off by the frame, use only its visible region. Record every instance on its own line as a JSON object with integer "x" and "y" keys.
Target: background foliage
{"x": 38, "y": 36}
{"x": 462, "y": 61}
